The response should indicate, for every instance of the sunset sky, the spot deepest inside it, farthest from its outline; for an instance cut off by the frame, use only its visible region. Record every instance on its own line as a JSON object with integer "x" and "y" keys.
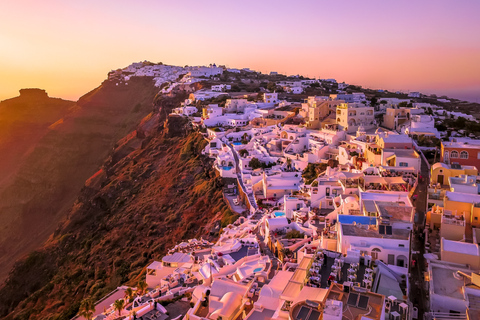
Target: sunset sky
{"x": 68, "y": 47}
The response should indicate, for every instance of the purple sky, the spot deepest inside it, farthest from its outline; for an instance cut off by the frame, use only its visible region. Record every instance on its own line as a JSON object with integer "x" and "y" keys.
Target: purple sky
{"x": 68, "y": 47}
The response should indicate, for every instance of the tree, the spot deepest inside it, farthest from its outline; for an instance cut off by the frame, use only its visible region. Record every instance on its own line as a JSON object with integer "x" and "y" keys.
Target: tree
{"x": 87, "y": 308}
{"x": 403, "y": 104}
{"x": 271, "y": 86}
{"x": 255, "y": 163}
{"x": 286, "y": 252}
{"x": 142, "y": 287}
{"x": 129, "y": 294}
{"x": 119, "y": 305}
{"x": 289, "y": 163}
{"x": 294, "y": 234}
{"x": 243, "y": 152}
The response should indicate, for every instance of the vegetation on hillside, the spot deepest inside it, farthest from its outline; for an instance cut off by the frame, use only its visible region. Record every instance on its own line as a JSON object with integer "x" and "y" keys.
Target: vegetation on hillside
{"x": 128, "y": 214}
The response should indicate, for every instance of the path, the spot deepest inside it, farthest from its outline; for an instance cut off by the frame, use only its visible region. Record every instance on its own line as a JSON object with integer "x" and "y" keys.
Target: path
{"x": 251, "y": 197}
{"x": 417, "y": 285}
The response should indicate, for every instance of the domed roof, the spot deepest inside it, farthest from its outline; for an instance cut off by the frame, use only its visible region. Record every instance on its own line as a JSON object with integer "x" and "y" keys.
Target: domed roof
{"x": 350, "y": 199}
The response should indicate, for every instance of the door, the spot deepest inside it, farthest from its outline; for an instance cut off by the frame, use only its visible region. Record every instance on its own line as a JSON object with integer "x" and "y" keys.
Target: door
{"x": 391, "y": 259}
{"x": 374, "y": 253}
{"x": 440, "y": 179}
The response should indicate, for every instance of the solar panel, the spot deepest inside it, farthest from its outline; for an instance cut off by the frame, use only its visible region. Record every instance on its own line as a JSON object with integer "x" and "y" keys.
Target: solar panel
{"x": 314, "y": 315}
{"x": 388, "y": 230}
{"x": 352, "y": 299}
{"x": 303, "y": 313}
{"x": 381, "y": 229}
{"x": 363, "y": 302}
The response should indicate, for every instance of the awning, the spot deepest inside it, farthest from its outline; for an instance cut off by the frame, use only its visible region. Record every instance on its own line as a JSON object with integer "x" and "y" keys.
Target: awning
{"x": 391, "y": 157}
{"x": 395, "y": 180}
{"x": 374, "y": 179}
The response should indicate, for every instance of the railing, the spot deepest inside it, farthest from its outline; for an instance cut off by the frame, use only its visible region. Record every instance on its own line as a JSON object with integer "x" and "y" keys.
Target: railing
{"x": 453, "y": 221}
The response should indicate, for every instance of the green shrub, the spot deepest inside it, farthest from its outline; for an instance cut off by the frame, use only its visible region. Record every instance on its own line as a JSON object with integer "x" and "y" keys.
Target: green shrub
{"x": 294, "y": 234}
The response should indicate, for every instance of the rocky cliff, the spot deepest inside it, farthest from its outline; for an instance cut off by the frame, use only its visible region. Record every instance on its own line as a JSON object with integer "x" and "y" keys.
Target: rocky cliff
{"x": 49, "y": 148}
{"x": 154, "y": 190}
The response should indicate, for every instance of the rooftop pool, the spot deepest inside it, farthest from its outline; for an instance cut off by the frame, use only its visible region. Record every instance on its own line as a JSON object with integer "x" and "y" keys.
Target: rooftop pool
{"x": 237, "y": 143}
{"x": 279, "y": 214}
{"x": 257, "y": 270}
{"x": 227, "y": 168}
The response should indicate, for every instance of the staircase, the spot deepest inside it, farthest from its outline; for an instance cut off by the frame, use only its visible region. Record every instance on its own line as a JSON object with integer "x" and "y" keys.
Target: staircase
{"x": 250, "y": 196}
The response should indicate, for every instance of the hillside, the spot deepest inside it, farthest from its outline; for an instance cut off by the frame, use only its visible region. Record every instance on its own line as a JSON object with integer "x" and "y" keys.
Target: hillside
{"x": 154, "y": 190}
{"x": 51, "y": 154}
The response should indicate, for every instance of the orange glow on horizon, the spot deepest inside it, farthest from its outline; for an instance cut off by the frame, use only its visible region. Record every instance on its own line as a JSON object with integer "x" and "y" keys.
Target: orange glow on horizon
{"x": 68, "y": 48}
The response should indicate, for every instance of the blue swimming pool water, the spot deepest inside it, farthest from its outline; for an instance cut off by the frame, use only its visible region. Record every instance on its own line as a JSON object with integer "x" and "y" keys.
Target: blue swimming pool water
{"x": 237, "y": 143}
{"x": 279, "y": 213}
{"x": 257, "y": 270}
{"x": 227, "y": 168}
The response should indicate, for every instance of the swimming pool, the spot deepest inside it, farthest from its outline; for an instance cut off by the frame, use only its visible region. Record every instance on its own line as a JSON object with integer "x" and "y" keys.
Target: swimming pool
{"x": 237, "y": 143}
{"x": 227, "y": 168}
{"x": 279, "y": 213}
{"x": 257, "y": 270}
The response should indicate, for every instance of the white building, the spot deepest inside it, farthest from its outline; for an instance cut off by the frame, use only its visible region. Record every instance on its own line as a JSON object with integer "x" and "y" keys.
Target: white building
{"x": 205, "y": 94}
{"x": 270, "y": 97}
{"x": 350, "y": 116}
{"x": 205, "y": 71}
{"x": 236, "y": 105}
{"x": 221, "y": 87}
{"x": 185, "y": 111}
{"x": 414, "y": 94}
{"x": 349, "y": 97}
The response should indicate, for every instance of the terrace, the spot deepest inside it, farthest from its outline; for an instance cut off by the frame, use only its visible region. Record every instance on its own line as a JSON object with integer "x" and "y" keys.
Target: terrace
{"x": 360, "y": 304}
{"x": 449, "y": 217}
{"x": 384, "y": 183}
{"x": 330, "y": 266}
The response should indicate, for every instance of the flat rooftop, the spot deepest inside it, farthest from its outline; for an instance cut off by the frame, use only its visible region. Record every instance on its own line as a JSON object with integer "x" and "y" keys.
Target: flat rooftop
{"x": 243, "y": 252}
{"x": 396, "y": 211}
{"x": 474, "y": 144}
{"x": 368, "y": 299}
{"x": 364, "y": 231}
{"x": 445, "y": 284}
{"x": 261, "y": 315}
{"x": 404, "y": 153}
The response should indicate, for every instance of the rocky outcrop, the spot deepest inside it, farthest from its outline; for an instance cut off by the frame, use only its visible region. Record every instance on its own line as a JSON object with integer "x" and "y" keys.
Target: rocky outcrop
{"x": 52, "y": 162}
{"x": 33, "y": 93}
{"x": 127, "y": 214}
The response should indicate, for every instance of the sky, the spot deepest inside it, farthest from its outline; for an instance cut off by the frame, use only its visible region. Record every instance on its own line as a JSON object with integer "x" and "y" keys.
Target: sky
{"x": 67, "y": 47}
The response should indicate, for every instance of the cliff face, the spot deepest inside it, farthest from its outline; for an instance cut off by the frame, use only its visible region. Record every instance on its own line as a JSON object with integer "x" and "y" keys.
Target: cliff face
{"x": 49, "y": 148}
{"x": 154, "y": 190}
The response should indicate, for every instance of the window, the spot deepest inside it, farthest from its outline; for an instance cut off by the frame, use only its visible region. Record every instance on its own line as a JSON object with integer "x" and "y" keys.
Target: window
{"x": 403, "y": 164}
{"x": 464, "y": 155}
{"x": 454, "y": 154}
{"x": 401, "y": 245}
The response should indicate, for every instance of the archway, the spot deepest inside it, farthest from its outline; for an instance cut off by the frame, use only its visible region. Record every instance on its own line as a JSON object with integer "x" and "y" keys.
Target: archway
{"x": 375, "y": 252}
